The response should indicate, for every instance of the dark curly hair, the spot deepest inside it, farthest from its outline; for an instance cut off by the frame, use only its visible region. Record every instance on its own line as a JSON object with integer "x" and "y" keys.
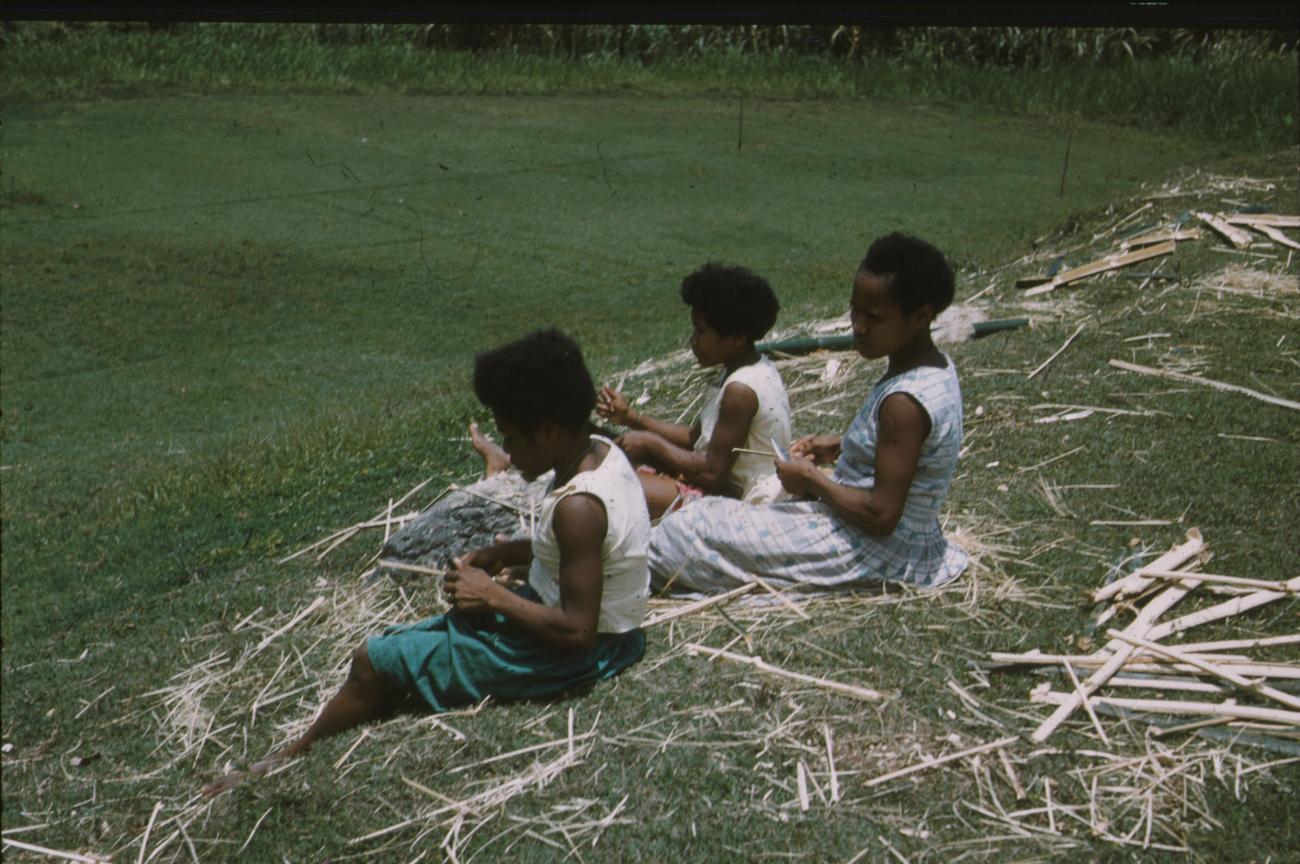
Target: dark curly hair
{"x": 732, "y": 300}
{"x": 536, "y": 379}
{"x": 917, "y": 272}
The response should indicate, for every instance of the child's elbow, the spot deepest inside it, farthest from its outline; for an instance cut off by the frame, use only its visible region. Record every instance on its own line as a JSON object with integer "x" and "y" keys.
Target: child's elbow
{"x": 584, "y": 642}
{"x": 882, "y": 520}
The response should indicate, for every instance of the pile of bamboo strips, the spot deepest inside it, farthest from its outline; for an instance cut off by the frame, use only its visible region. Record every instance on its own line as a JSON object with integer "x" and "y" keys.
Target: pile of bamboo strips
{"x": 1164, "y": 240}
{"x": 1256, "y": 694}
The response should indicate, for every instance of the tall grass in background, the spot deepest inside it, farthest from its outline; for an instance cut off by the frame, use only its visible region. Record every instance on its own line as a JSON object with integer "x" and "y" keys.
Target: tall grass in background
{"x": 1234, "y": 87}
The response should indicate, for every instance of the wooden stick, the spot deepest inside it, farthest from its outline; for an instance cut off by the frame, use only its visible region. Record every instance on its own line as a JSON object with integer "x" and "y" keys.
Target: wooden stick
{"x": 1205, "y": 382}
{"x": 413, "y": 568}
{"x": 1235, "y": 236}
{"x": 1256, "y": 687}
{"x": 1140, "y": 625}
{"x": 1254, "y": 219}
{"x": 1136, "y": 582}
{"x": 1223, "y": 610}
{"x": 785, "y": 601}
{"x": 1057, "y": 353}
{"x": 903, "y": 772}
{"x": 755, "y": 452}
{"x": 1276, "y": 236}
{"x": 1162, "y": 706}
{"x": 758, "y": 663}
{"x": 691, "y": 608}
{"x": 1110, "y": 262}
{"x": 1260, "y": 584}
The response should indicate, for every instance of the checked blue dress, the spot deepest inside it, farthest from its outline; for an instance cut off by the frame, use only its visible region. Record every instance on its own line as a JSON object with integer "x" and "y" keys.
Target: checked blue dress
{"x": 715, "y": 544}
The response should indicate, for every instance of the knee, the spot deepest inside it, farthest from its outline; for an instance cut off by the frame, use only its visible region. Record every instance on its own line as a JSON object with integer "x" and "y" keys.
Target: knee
{"x": 362, "y": 671}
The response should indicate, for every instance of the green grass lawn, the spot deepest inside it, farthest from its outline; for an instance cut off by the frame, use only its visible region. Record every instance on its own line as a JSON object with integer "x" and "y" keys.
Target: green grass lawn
{"x": 232, "y": 324}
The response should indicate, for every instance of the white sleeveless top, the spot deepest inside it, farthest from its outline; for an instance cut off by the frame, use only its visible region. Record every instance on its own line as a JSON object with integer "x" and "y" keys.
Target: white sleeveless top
{"x": 771, "y": 421}
{"x": 623, "y": 554}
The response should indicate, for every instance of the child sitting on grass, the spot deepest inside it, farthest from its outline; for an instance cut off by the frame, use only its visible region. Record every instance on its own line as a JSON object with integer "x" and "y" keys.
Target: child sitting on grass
{"x": 578, "y": 618}
{"x": 746, "y": 407}
{"x": 876, "y": 516}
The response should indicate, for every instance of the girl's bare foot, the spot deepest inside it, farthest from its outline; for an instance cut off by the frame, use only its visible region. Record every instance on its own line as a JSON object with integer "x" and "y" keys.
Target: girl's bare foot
{"x": 234, "y": 778}
{"x": 495, "y": 459}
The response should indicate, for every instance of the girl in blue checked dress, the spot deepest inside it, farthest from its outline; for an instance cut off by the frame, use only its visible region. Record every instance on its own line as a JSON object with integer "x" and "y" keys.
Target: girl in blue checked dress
{"x": 875, "y": 517}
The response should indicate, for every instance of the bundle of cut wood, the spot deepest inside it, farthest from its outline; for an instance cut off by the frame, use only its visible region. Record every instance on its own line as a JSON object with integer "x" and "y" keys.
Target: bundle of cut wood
{"x": 1228, "y": 686}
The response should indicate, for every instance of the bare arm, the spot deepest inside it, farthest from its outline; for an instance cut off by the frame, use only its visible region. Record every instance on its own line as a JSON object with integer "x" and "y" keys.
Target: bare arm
{"x": 612, "y": 405}
{"x": 580, "y": 525}
{"x": 498, "y": 556}
{"x": 707, "y": 469}
{"x": 904, "y": 426}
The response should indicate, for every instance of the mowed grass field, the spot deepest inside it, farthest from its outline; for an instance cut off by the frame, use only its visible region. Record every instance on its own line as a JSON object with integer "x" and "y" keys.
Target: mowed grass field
{"x": 231, "y": 325}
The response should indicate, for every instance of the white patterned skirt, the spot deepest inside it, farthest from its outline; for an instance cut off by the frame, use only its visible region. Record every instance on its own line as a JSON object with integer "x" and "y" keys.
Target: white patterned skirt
{"x": 715, "y": 544}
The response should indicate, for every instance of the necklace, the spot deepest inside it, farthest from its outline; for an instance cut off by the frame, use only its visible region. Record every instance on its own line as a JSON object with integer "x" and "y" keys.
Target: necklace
{"x": 567, "y": 474}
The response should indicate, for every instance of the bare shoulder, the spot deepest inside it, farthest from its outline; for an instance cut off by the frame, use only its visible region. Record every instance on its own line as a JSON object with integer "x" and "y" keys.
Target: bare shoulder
{"x": 902, "y": 416}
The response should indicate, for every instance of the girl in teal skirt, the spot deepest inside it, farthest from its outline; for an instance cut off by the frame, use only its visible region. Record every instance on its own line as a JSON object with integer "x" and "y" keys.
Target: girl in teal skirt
{"x": 578, "y": 618}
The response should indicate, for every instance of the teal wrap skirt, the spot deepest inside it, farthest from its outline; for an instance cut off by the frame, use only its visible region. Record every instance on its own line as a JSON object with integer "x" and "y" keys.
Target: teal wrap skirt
{"x": 451, "y": 661}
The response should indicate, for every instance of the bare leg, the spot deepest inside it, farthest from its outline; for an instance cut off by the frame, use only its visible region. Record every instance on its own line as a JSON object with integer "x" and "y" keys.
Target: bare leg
{"x": 366, "y": 695}
{"x": 495, "y": 459}
{"x": 660, "y": 493}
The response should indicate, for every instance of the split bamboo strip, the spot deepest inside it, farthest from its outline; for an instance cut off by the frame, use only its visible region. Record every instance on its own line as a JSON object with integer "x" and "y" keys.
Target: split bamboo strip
{"x": 1276, "y": 236}
{"x": 785, "y": 601}
{"x": 698, "y": 605}
{"x": 1092, "y": 715}
{"x": 497, "y": 501}
{"x": 763, "y": 666}
{"x": 903, "y": 772}
{"x": 56, "y": 853}
{"x": 1206, "y": 382}
{"x": 568, "y": 740}
{"x": 148, "y": 829}
{"x": 1145, "y": 663}
{"x": 1057, "y": 352}
{"x": 1235, "y": 236}
{"x": 1256, "y": 687}
{"x": 1161, "y": 236}
{"x": 830, "y": 762}
{"x": 1110, "y": 262}
{"x": 381, "y": 518}
{"x": 1135, "y": 582}
{"x": 1140, "y": 625}
{"x": 1188, "y": 685}
{"x": 754, "y": 452}
{"x": 1224, "y": 610}
{"x": 1273, "y": 219}
{"x": 1241, "y": 581}
{"x": 410, "y": 568}
{"x": 1230, "y": 644}
{"x": 315, "y": 604}
{"x": 1161, "y": 706}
